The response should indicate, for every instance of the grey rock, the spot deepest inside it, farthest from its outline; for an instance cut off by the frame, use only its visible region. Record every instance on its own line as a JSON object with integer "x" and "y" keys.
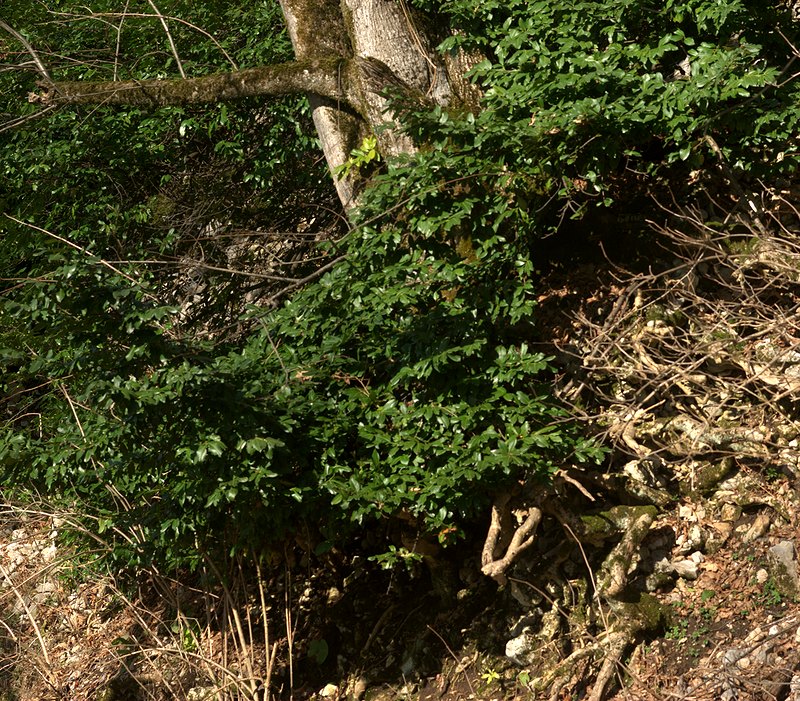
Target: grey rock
{"x": 522, "y": 649}
{"x": 783, "y": 568}
{"x": 732, "y": 656}
{"x": 697, "y": 538}
{"x": 202, "y": 693}
{"x": 662, "y": 575}
{"x": 794, "y": 688}
{"x": 686, "y": 569}
{"x": 658, "y": 580}
{"x": 527, "y": 596}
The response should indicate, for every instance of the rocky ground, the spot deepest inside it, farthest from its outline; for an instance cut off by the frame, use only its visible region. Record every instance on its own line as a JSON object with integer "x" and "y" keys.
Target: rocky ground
{"x": 723, "y": 566}
{"x": 669, "y": 573}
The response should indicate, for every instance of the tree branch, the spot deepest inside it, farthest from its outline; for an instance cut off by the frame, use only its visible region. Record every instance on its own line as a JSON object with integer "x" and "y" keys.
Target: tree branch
{"x": 172, "y": 46}
{"x": 328, "y": 77}
{"x": 22, "y": 40}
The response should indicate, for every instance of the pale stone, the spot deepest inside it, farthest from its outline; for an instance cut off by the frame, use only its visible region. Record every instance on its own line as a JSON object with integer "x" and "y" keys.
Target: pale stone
{"x": 49, "y": 553}
{"x": 733, "y": 656}
{"x": 686, "y": 569}
{"x": 783, "y": 567}
{"x": 757, "y": 529}
{"x": 730, "y": 512}
{"x": 697, "y": 537}
{"x": 202, "y": 693}
{"x": 328, "y": 691}
{"x": 520, "y": 649}
{"x": 794, "y": 688}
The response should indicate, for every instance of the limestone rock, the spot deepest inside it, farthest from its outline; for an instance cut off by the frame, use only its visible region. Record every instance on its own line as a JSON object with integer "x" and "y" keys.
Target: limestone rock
{"x": 783, "y": 568}
{"x": 522, "y": 649}
{"x": 686, "y": 569}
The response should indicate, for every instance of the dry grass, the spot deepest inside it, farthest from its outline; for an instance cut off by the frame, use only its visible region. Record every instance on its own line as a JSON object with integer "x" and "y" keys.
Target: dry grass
{"x": 78, "y": 633}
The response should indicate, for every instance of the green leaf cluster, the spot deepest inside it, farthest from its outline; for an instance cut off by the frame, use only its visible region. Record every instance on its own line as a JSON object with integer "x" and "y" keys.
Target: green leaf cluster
{"x": 408, "y": 380}
{"x": 584, "y": 98}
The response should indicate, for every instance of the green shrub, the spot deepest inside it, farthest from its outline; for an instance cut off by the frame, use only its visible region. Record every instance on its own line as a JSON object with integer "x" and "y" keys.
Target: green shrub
{"x": 407, "y": 379}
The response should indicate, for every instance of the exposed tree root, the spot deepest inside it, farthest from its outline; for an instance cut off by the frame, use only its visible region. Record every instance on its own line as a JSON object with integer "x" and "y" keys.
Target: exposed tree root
{"x": 523, "y": 537}
{"x": 586, "y": 580}
{"x": 575, "y": 667}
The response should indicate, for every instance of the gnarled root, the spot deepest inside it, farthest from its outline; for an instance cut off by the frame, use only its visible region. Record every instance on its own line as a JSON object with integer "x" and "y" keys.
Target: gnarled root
{"x": 635, "y": 621}
{"x": 627, "y": 615}
{"x": 578, "y": 663}
{"x": 524, "y": 536}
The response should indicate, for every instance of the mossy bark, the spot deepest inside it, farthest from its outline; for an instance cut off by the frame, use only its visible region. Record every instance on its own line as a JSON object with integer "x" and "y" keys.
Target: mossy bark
{"x": 325, "y": 77}
{"x": 349, "y": 53}
{"x": 317, "y": 30}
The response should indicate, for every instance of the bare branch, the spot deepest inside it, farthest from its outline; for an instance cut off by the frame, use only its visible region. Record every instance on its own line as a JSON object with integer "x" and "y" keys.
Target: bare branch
{"x": 325, "y": 77}
{"x": 19, "y": 121}
{"x": 172, "y": 46}
{"x": 71, "y": 244}
{"x": 118, "y": 45}
{"x": 22, "y": 40}
{"x": 693, "y": 369}
{"x": 125, "y": 14}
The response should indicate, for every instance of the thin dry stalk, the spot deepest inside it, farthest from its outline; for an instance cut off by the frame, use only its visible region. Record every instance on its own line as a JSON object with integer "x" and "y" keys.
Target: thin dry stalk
{"x": 242, "y": 643}
{"x": 290, "y": 629}
{"x": 269, "y": 655}
{"x": 172, "y": 46}
{"x": 28, "y": 613}
{"x": 708, "y": 340}
{"x": 459, "y": 666}
{"x": 175, "y": 641}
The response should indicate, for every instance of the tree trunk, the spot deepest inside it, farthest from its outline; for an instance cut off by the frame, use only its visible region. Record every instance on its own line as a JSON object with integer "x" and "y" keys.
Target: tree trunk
{"x": 383, "y": 35}
{"x": 347, "y": 54}
{"x": 316, "y": 30}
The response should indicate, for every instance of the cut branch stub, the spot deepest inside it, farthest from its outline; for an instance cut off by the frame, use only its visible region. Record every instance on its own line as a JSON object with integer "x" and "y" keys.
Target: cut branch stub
{"x": 524, "y": 536}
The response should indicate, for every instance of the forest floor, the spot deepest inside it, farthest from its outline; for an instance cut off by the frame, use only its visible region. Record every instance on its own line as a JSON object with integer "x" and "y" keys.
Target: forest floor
{"x": 352, "y": 629}
{"x": 687, "y": 373}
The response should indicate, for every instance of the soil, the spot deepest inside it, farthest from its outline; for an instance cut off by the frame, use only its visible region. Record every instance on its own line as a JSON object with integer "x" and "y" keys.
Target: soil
{"x": 409, "y": 633}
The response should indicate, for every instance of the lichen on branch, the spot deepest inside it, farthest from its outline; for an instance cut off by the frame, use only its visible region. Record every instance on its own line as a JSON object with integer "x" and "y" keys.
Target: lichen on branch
{"x": 327, "y": 77}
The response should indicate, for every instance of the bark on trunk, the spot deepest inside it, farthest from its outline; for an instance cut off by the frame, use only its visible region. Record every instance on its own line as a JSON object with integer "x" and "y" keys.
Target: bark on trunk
{"x": 348, "y": 53}
{"x": 386, "y": 33}
{"x": 390, "y": 50}
{"x": 317, "y": 32}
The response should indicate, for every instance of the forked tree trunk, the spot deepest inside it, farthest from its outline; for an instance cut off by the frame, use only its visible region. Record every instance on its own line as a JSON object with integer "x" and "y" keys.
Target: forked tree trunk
{"x": 348, "y": 53}
{"x": 379, "y": 35}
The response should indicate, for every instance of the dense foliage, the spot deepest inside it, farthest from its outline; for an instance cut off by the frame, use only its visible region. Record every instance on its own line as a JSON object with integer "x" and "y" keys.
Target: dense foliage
{"x": 406, "y": 379}
{"x": 583, "y": 99}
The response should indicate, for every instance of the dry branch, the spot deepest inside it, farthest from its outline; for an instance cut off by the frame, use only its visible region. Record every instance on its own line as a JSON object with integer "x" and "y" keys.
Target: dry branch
{"x": 699, "y": 360}
{"x": 22, "y": 40}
